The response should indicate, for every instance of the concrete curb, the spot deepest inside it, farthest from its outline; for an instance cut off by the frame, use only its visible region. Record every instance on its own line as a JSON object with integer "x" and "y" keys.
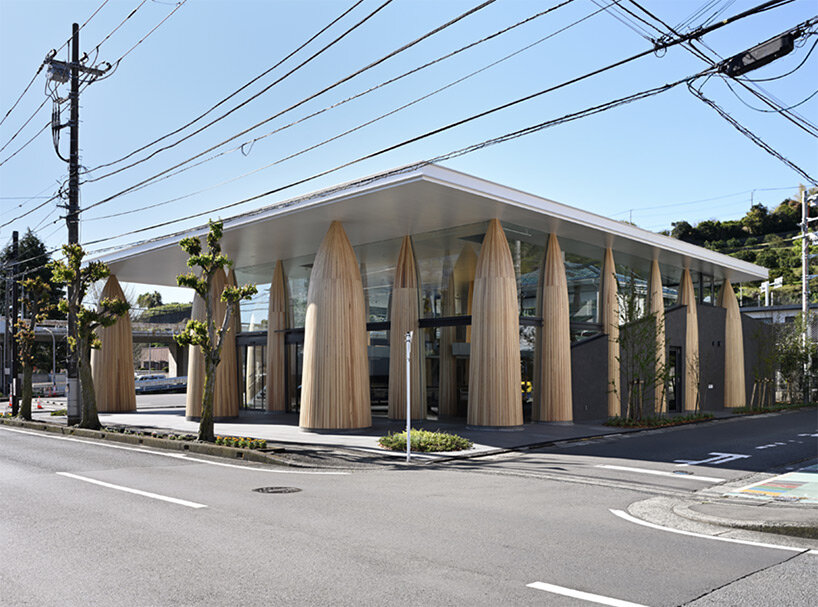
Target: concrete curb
{"x": 807, "y": 530}
{"x": 250, "y": 455}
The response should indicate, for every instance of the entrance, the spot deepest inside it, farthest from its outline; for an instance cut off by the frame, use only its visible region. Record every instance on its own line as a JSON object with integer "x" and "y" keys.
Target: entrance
{"x": 674, "y": 376}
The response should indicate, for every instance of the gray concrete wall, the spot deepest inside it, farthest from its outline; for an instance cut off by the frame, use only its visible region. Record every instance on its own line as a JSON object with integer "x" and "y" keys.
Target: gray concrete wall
{"x": 589, "y": 379}
{"x": 711, "y": 356}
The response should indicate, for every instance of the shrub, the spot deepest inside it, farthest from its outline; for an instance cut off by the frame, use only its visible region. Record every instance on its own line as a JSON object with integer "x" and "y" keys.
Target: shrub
{"x": 657, "y": 422}
{"x": 425, "y": 441}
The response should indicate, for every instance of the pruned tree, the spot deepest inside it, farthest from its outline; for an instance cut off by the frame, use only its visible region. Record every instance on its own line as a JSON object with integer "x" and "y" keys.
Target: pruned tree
{"x": 79, "y": 279}
{"x": 204, "y": 333}
{"x": 642, "y": 366}
{"x": 36, "y": 305}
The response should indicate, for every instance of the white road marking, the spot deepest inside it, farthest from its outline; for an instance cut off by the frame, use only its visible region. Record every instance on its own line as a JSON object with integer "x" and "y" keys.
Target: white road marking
{"x": 692, "y": 477}
{"x": 624, "y": 515}
{"x": 584, "y": 596}
{"x": 181, "y": 456}
{"x": 718, "y": 458}
{"x": 156, "y": 496}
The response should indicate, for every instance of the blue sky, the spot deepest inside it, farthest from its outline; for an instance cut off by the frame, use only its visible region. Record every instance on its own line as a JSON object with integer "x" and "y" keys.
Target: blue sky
{"x": 661, "y": 159}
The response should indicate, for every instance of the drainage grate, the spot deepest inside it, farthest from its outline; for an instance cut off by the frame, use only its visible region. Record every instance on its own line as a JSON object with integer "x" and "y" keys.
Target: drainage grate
{"x": 277, "y": 490}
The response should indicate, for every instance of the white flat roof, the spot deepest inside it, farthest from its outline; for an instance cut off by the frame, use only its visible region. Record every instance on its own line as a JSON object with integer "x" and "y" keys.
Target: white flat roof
{"x": 412, "y": 200}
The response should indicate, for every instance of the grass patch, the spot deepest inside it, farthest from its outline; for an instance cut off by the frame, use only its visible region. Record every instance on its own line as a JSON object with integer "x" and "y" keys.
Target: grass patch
{"x": 58, "y": 412}
{"x": 657, "y": 421}
{"x": 425, "y": 441}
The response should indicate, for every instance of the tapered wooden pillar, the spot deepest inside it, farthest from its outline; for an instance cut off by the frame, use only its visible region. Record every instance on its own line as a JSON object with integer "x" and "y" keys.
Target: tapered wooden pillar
{"x": 195, "y": 367}
{"x": 277, "y": 321}
{"x": 656, "y": 306}
{"x": 403, "y": 318}
{"x": 494, "y": 372}
{"x": 734, "y": 388}
{"x": 226, "y": 402}
{"x": 226, "y": 389}
{"x": 609, "y": 317}
{"x": 335, "y": 381}
{"x": 555, "y": 396}
{"x": 458, "y": 301}
{"x": 692, "y": 370}
{"x": 112, "y": 365}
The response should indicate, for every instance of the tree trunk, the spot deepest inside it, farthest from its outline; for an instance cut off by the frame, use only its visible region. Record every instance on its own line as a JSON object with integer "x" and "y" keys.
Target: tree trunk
{"x": 25, "y": 398}
{"x": 206, "y": 423}
{"x": 90, "y": 418}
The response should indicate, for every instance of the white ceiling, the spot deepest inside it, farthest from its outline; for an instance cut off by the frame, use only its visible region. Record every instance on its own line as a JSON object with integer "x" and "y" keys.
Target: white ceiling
{"x": 412, "y": 201}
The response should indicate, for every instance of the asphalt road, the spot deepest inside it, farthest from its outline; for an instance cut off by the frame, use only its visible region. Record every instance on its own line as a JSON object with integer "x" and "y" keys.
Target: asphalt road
{"x": 406, "y": 536}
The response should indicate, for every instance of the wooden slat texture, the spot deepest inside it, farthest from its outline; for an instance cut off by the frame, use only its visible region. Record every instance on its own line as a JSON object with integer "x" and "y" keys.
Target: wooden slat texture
{"x": 112, "y": 365}
{"x": 734, "y": 388}
{"x": 226, "y": 401}
{"x": 457, "y": 300}
{"x": 404, "y": 314}
{"x": 277, "y": 320}
{"x": 494, "y": 373}
{"x": 335, "y": 380}
{"x": 555, "y": 402}
{"x": 609, "y": 317}
{"x": 692, "y": 369}
{"x": 656, "y": 306}
{"x": 195, "y": 367}
{"x": 226, "y": 390}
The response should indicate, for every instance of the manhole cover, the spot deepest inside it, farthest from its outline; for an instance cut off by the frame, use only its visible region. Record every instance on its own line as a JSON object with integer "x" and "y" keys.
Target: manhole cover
{"x": 277, "y": 490}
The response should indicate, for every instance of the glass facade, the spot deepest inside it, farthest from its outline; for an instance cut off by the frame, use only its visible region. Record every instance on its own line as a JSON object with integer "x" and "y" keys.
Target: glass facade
{"x": 446, "y": 262}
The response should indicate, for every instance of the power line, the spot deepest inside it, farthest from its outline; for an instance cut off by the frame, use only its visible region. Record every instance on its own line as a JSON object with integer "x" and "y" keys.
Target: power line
{"x": 231, "y": 95}
{"x": 368, "y": 123}
{"x": 453, "y": 154}
{"x": 245, "y": 102}
{"x": 690, "y": 202}
{"x": 695, "y": 34}
{"x": 750, "y": 135}
{"x": 121, "y": 23}
{"x": 141, "y": 40}
{"x": 50, "y": 55}
{"x": 313, "y": 96}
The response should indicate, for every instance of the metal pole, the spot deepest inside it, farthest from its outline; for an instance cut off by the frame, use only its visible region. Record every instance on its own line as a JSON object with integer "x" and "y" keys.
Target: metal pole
{"x": 15, "y": 311}
{"x": 408, "y": 395}
{"x": 805, "y": 291}
{"x": 72, "y": 221}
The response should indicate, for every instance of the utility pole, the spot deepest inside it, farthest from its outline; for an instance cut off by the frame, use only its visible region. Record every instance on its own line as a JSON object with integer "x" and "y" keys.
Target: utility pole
{"x": 15, "y": 309}
{"x": 805, "y": 278}
{"x": 72, "y": 222}
{"x": 58, "y": 69}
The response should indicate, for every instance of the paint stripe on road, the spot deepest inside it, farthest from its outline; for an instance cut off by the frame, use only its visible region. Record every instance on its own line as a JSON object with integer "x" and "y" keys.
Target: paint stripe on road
{"x": 584, "y": 596}
{"x": 624, "y": 515}
{"x": 156, "y": 496}
{"x": 181, "y": 456}
{"x": 692, "y": 477}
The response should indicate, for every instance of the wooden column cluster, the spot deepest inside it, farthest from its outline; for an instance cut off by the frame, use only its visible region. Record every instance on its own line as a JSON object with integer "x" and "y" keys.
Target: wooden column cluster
{"x": 555, "y": 402}
{"x": 112, "y": 365}
{"x": 335, "y": 380}
{"x": 692, "y": 370}
{"x": 494, "y": 372}
{"x": 609, "y": 316}
{"x": 278, "y": 319}
{"x": 404, "y": 315}
{"x": 734, "y": 387}
{"x": 656, "y": 306}
{"x": 226, "y": 398}
{"x": 458, "y": 300}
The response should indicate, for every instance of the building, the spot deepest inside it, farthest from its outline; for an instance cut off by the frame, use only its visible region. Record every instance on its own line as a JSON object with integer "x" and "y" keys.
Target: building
{"x": 499, "y": 288}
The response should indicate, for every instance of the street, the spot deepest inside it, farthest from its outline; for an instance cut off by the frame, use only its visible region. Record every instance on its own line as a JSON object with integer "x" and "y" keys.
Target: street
{"x": 94, "y": 523}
